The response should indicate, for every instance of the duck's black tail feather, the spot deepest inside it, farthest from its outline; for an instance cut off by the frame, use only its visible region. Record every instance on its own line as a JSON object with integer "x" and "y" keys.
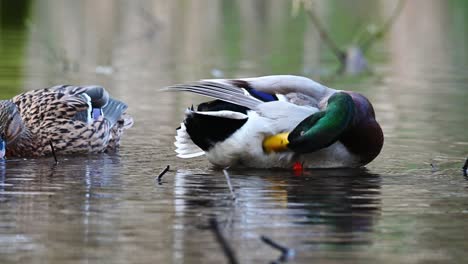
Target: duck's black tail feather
{"x": 208, "y": 128}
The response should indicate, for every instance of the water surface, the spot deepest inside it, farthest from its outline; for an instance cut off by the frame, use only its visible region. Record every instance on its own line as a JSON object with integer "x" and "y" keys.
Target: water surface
{"x": 410, "y": 205}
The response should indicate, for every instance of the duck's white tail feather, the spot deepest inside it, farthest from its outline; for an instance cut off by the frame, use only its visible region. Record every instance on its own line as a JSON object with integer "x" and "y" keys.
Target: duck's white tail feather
{"x": 218, "y": 90}
{"x": 185, "y": 148}
{"x": 223, "y": 113}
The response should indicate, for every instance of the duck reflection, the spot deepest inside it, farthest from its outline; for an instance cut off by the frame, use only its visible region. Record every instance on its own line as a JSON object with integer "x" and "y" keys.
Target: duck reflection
{"x": 43, "y": 174}
{"x": 64, "y": 202}
{"x": 338, "y": 207}
{"x": 346, "y": 201}
{"x": 2, "y": 175}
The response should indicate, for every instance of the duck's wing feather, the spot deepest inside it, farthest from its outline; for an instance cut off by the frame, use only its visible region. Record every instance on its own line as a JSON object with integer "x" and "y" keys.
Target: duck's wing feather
{"x": 97, "y": 98}
{"x": 250, "y": 92}
{"x": 73, "y": 136}
{"x": 280, "y": 84}
{"x": 114, "y": 110}
{"x": 218, "y": 90}
{"x": 39, "y": 105}
{"x": 69, "y": 102}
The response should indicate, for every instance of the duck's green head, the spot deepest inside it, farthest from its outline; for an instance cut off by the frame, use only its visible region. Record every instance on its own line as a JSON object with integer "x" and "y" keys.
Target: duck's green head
{"x": 10, "y": 124}
{"x": 323, "y": 128}
{"x": 319, "y": 130}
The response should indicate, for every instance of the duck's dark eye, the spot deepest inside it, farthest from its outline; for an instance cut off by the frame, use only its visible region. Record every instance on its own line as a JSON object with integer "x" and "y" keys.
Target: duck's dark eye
{"x": 302, "y": 133}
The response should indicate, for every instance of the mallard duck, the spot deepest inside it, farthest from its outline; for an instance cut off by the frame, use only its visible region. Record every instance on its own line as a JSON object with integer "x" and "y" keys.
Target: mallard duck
{"x": 278, "y": 121}
{"x": 70, "y": 119}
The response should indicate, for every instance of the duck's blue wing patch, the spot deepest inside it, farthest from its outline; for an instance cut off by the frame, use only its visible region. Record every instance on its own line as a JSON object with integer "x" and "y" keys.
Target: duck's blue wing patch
{"x": 266, "y": 97}
{"x": 96, "y": 113}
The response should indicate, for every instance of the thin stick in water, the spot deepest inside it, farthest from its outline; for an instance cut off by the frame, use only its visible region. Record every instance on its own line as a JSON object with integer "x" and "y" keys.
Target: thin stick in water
{"x": 53, "y": 151}
{"x": 162, "y": 173}
{"x": 465, "y": 168}
{"x": 228, "y": 252}
{"x": 231, "y": 189}
{"x": 286, "y": 253}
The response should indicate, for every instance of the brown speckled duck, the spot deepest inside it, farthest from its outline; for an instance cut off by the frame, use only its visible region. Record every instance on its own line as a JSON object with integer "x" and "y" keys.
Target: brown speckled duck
{"x": 74, "y": 119}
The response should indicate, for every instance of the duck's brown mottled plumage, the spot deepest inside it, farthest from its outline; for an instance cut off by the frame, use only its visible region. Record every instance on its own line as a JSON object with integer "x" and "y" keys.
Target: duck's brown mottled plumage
{"x": 60, "y": 115}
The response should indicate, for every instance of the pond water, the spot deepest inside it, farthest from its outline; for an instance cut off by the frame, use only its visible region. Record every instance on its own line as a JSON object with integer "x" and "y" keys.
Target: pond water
{"x": 410, "y": 205}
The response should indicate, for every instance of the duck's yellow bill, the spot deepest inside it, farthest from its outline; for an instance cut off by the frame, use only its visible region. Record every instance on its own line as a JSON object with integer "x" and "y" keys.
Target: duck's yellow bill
{"x": 276, "y": 143}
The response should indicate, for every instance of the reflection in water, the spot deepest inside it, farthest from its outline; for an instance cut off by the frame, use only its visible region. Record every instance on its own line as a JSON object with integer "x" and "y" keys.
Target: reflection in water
{"x": 2, "y": 175}
{"x": 44, "y": 198}
{"x": 323, "y": 207}
{"x": 347, "y": 201}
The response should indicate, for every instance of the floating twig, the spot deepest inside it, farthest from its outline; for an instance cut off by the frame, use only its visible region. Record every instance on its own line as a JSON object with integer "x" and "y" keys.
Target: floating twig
{"x": 286, "y": 253}
{"x": 465, "y": 168}
{"x": 53, "y": 151}
{"x": 162, "y": 173}
{"x": 227, "y": 250}
{"x": 231, "y": 189}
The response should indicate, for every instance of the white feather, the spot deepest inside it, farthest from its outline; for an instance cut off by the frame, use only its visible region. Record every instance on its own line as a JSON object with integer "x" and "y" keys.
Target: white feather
{"x": 90, "y": 108}
{"x": 185, "y": 148}
{"x": 224, "y": 113}
{"x": 244, "y": 147}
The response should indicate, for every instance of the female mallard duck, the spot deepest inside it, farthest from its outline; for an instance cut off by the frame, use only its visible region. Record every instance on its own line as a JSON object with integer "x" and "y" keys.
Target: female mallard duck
{"x": 72, "y": 119}
{"x": 278, "y": 121}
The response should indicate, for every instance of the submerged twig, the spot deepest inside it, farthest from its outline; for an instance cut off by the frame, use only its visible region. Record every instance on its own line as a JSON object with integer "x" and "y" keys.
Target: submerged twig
{"x": 465, "y": 168}
{"x": 53, "y": 151}
{"x": 231, "y": 189}
{"x": 353, "y": 57}
{"x": 385, "y": 28}
{"x": 159, "y": 178}
{"x": 340, "y": 54}
{"x": 286, "y": 253}
{"x": 227, "y": 250}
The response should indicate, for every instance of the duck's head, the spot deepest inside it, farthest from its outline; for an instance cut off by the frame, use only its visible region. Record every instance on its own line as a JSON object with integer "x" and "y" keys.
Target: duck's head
{"x": 10, "y": 124}
{"x": 348, "y": 117}
{"x": 318, "y": 130}
{"x": 323, "y": 128}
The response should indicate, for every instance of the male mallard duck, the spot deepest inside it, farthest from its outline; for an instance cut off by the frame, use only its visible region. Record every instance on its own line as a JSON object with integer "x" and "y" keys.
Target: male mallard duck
{"x": 278, "y": 121}
{"x": 73, "y": 119}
